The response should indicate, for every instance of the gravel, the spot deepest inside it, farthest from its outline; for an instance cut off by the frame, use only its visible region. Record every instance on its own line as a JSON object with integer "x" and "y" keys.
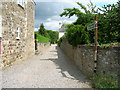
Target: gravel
{"x": 52, "y": 69}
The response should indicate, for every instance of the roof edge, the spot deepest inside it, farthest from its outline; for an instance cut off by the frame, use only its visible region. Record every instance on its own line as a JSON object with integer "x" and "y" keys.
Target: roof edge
{"x": 33, "y": 2}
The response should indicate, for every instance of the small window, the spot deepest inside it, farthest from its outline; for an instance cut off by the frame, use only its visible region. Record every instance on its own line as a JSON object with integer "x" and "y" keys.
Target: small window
{"x": 18, "y": 33}
{"x": 20, "y": 2}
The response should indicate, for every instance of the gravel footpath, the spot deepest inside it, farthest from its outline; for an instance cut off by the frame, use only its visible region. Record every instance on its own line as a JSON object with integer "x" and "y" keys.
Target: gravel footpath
{"x": 52, "y": 69}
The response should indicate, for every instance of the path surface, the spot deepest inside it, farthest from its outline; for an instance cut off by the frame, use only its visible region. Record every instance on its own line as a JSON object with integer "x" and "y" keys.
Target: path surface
{"x": 50, "y": 70}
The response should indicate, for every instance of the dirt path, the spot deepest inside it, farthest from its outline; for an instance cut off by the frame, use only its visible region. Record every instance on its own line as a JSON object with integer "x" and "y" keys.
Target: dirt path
{"x": 50, "y": 70}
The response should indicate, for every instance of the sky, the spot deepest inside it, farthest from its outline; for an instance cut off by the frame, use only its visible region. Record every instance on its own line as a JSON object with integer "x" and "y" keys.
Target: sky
{"x": 48, "y": 11}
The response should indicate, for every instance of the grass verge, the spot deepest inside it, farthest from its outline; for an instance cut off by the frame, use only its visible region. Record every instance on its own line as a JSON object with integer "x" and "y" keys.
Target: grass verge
{"x": 42, "y": 39}
{"x": 103, "y": 81}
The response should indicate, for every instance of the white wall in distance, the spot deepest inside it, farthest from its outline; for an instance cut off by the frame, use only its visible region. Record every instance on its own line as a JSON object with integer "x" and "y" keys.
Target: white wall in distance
{"x": 61, "y": 34}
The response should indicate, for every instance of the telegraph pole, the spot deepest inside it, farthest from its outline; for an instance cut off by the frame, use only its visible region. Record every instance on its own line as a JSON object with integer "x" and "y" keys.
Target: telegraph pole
{"x": 96, "y": 41}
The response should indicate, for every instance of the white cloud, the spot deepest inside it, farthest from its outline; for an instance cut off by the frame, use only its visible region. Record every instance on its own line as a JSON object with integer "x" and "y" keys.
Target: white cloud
{"x": 49, "y": 19}
{"x": 106, "y": 1}
{"x": 54, "y": 25}
{"x": 52, "y": 22}
{"x": 82, "y": 1}
{"x": 74, "y": 0}
{"x": 36, "y": 29}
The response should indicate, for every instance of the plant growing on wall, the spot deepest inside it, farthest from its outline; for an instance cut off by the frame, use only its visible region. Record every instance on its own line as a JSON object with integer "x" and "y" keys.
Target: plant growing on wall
{"x": 76, "y": 34}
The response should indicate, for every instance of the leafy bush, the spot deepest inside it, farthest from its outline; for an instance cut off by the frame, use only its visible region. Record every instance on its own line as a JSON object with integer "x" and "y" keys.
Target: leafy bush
{"x": 103, "y": 81}
{"x": 60, "y": 40}
{"x": 76, "y": 35}
{"x": 52, "y": 35}
{"x": 108, "y": 23}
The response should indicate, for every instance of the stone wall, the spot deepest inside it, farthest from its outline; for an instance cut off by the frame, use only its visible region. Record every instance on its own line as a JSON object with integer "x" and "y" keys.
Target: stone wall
{"x": 83, "y": 57}
{"x": 41, "y": 47}
{"x": 13, "y": 16}
{"x": 108, "y": 60}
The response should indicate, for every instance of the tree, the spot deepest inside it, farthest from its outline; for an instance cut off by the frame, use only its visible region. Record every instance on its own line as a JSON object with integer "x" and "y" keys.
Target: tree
{"x": 77, "y": 35}
{"x": 42, "y": 30}
{"x": 109, "y": 23}
{"x": 53, "y": 35}
{"x": 82, "y": 17}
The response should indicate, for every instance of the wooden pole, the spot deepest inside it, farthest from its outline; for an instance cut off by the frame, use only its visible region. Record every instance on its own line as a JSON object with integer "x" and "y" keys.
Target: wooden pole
{"x": 96, "y": 41}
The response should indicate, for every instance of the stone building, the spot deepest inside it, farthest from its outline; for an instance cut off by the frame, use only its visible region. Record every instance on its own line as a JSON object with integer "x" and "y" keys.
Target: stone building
{"x": 16, "y": 30}
{"x": 62, "y": 30}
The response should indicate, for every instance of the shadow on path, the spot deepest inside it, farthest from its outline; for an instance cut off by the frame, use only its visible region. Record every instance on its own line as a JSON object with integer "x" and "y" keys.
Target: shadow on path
{"x": 66, "y": 66}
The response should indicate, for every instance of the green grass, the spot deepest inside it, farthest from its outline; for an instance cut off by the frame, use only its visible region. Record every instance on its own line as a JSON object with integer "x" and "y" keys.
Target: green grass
{"x": 42, "y": 39}
{"x": 103, "y": 81}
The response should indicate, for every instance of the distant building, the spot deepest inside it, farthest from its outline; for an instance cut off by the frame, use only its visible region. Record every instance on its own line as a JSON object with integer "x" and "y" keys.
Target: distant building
{"x": 62, "y": 30}
{"x": 16, "y": 30}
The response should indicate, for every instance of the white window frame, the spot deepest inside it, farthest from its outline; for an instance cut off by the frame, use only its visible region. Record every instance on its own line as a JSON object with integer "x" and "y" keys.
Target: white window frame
{"x": 21, "y": 2}
{"x": 18, "y": 33}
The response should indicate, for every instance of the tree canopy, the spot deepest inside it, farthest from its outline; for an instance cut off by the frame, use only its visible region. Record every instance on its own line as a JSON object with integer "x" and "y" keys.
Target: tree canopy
{"x": 108, "y": 23}
{"x": 52, "y": 35}
{"x": 42, "y": 30}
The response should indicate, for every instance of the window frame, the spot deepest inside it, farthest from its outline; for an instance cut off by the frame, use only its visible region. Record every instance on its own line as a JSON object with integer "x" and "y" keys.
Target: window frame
{"x": 18, "y": 33}
{"x": 21, "y": 3}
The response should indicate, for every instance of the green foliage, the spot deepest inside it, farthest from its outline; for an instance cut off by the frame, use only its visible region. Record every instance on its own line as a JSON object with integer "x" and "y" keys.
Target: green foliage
{"x": 109, "y": 24}
{"x": 103, "y": 81}
{"x": 42, "y": 30}
{"x": 53, "y": 35}
{"x": 42, "y": 39}
{"x": 60, "y": 40}
{"x": 76, "y": 34}
{"x": 82, "y": 17}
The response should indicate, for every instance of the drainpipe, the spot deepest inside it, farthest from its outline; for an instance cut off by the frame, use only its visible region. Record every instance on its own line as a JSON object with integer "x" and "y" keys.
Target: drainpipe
{"x": 96, "y": 43}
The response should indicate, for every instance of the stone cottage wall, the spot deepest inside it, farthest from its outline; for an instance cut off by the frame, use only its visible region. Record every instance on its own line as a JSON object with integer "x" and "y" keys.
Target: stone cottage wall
{"x": 0, "y": 31}
{"x": 83, "y": 56}
{"x": 30, "y": 29}
{"x": 16, "y": 16}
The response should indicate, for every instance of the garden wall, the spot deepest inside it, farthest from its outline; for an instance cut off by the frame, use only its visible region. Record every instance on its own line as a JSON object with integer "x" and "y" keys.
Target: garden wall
{"x": 83, "y": 56}
{"x": 41, "y": 47}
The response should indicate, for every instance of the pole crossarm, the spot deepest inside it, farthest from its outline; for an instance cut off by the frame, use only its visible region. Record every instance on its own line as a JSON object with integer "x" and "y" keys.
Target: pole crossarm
{"x": 91, "y": 26}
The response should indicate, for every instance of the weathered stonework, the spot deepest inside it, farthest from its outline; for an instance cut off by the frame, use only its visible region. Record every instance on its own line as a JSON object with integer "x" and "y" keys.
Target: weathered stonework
{"x": 13, "y": 16}
{"x": 83, "y": 56}
{"x": 108, "y": 60}
{"x": 41, "y": 47}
